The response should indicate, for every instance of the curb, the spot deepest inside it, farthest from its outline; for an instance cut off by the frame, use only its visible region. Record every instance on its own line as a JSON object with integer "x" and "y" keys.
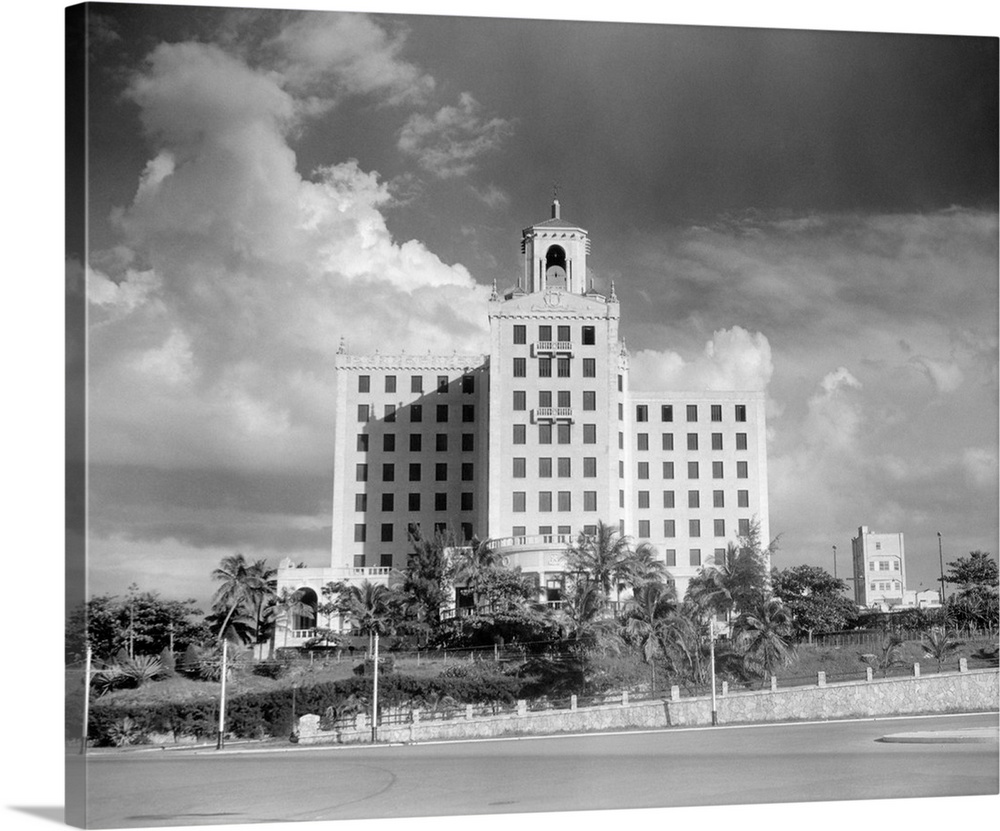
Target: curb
{"x": 986, "y": 735}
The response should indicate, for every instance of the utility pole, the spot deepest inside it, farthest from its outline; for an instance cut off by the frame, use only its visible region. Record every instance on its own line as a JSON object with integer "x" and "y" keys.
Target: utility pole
{"x": 222, "y": 700}
{"x": 86, "y": 700}
{"x": 711, "y": 651}
{"x": 835, "y": 562}
{"x": 375, "y": 692}
{"x": 941, "y": 564}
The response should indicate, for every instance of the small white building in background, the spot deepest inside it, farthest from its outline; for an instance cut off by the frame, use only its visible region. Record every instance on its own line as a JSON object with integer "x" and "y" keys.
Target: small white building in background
{"x": 880, "y": 574}
{"x": 529, "y": 445}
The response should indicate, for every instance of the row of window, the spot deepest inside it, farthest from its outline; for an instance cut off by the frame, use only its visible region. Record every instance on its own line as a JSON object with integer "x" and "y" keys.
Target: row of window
{"x": 883, "y": 565}
{"x": 694, "y": 499}
{"x": 891, "y": 585}
{"x": 563, "y": 333}
{"x": 562, "y": 367}
{"x": 388, "y": 502}
{"x": 366, "y": 412}
{"x": 693, "y": 470}
{"x": 667, "y": 411}
{"x": 416, "y": 442}
{"x": 415, "y": 472}
{"x": 670, "y": 554}
{"x": 667, "y": 441}
{"x": 387, "y": 531}
{"x": 468, "y": 383}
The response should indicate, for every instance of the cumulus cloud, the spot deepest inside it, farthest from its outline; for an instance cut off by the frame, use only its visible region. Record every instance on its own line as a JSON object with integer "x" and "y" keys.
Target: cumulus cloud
{"x": 450, "y": 142}
{"x": 946, "y": 376}
{"x": 734, "y": 359}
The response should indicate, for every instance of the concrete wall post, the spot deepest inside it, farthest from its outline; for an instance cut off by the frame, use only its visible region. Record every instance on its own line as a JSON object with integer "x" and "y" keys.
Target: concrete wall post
{"x": 572, "y": 702}
{"x": 774, "y": 683}
{"x": 821, "y": 679}
{"x": 675, "y": 693}
{"x": 916, "y": 670}
{"x": 468, "y": 711}
{"x": 415, "y": 716}
{"x": 869, "y": 673}
{"x": 963, "y": 664}
{"x": 725, "y": 688}
{"x": 522, "y": 707}
{"x": 624, "y": 698}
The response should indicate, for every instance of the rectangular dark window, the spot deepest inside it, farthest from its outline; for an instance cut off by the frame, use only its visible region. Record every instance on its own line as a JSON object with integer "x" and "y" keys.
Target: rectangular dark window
{"x": 590, "y": 467}
{"x": 467, "y": 471}
{"x": 519, "y": 502}
{"x": 442, "y": 412}
{"x": 692, "y": 441}
{"x": 718, "y": 499}
{"x": 465, "y": 501}
{"x": 643, "y": 499}
{"x": 520, "y": 333}
{"x": 385, "y": 560}
{"x": 413, "y": 502}
{"x": 440, "y": 528}
{"x": 362, "y": 442}
{"x": 362, "y": 412}
{"x": 671, "y": 556}
{"x": 545, "y": 398}
{"x": 716, "y": 441}
{"x": 562, "y": 333}
{"x": 643, "y": 470}
{"x": 621, "y": 468}
{"x": 467, "y": 531}
{"x": 520, "y": 434}
{"x": 468, "y": 384}
{"x": 588, "y": 337}
{"x": 544, "y": 467}
{"x": 468, "y": 442}
{"x": 359, "y": 559}
{"x": 621, "y": 411}
{"x": 563, "y": 467}
{"x": 694, "y": 527}
{"x": 544, "y": 367}
{"x": 520, "y": 367}
{"x": 589, "y": 368}
{"x": 590, "y": 500}
{"x": 692, "y": 470}
{"x": 545, "y": 501}
{"x": 644, "y": 528}
{"x": 590, "y": 434}
{"x": 361, "y": 473}
{"x": 386, "y": 532}
{"x": 545, "y": 333}
{"x": 360, "y": 532}
{"x": 589, "y": 400}
{"x": 743, "y": 499}
{"x": 416, "y": 383}
{"x": 620, "y": 383}
{"x": 564, "y": 501}
{"x": 741, "y": 441}
{"x": 520, "y": 465}
{"x": 390, "y": 383}
{"x": 468, "y": 413}
{"x": 642, "y": 441}
{"x": 564, "y": 433}
{"x": 389, "y": 412}
{"x": 364, "y": 383}
{"x": 545, "y": 434}
{"x": 564, "y": 398}
{"x": 718, "y": 470}
{"x": 667, "y": 412}
{"x": 416, "y": 442}
{"x": 389, "y": 442}
{"x": 562, "y": 367}
{"x": 388, "y": 473}
{"x": 668, "y": 441}
{"x": 414, "y": 471}
{"x": 442, "y": 384}
{"x": 692, "y": 412}
{"x": 520, "y": 400}
{"x": 694, "y": 499}
{"x": 741, "y": 412}
{"x": 621, "y": 441}
{"x": 520, "y": 531}
{"x": 440, "y": 502}
{"x": 416, "y": 413}
{"x": 668, "y": 499}
{"x": 441, "y": 472}
{"x": 621, "y": 499}
{"x": 716, "y": 412}
{"x": 694, "y": 557}
{"x": 361, "y": 502}
{"x": 441, "y": 442}
{"x": 641, "y": 412}
{"x": 719, "y": 527}
{"x": 741, "y": 470}
{"x": 668, "y": 470}
{"x": 744, "y": 527}
{"x": 669, "y": 529}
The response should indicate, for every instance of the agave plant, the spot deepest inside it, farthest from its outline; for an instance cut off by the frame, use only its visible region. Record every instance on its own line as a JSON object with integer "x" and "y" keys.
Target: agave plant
{"x": 107, "y": 679}
{"x": 126, "y": 732}
{"x": 938, "y": 644}
{"x": 141, "y": 669}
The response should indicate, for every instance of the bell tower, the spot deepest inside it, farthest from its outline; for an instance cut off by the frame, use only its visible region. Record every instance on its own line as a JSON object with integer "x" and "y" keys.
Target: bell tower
{"x": 555, "y": 255}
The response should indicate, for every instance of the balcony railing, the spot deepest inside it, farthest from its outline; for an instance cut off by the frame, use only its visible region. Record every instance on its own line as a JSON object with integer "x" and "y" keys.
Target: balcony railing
{"x": 551, "y": 347}
{"x": 552, "y": 414}
{"x": 532, "y": 541}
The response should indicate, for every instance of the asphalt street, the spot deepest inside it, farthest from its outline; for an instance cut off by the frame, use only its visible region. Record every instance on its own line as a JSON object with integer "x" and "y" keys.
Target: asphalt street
{"x": 708, "y": 766}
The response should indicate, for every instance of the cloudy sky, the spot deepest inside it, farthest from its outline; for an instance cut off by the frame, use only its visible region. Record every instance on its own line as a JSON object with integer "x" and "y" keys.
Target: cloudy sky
{"x": 812, "y": 214}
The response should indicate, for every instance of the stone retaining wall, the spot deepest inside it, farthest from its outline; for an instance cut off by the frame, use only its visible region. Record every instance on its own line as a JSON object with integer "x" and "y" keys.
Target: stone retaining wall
{"x": 947, "y": 692}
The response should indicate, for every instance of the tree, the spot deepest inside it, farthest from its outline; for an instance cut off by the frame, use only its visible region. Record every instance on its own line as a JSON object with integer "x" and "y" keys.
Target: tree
{"x": 472, "y": 565}
{"x": 601, "y": 558}
{"x": 762, "y": 634}
{"x": 370, "y": 608}
{"x": 241, "y": 584}
{"x": 814, "y": 598}
{"x": 649, "y": 621}
{"x": 262, "y": 593}
{"x": 735, "y": 581}
{"x": 939, "y": 644}
{"x": 288, "y": 605}
{"x": 976, "y": 603}
{"x": 643, "y": 567}
{"x": 425, "y": 580}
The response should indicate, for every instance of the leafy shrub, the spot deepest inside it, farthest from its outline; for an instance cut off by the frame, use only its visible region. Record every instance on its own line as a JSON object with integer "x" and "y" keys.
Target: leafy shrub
{"x": 386, "y": 665}
{"x": 126, "y": 732}
{"x": 270, "y": 668}
{"x": 142, "y": 669}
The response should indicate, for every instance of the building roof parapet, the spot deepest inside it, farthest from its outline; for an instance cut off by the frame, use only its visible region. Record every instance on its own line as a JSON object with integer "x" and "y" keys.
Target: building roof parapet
{"x": 455, "y": 362}
{"x": 672, "y": 396}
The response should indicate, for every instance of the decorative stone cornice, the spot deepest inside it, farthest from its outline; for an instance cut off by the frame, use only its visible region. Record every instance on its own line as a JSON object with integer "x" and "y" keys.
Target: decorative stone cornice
{"x": 464, "y": 363}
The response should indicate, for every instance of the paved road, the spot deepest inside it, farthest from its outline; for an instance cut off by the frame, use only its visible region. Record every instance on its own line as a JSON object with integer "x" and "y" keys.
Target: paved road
{"x": 725, "y": 765}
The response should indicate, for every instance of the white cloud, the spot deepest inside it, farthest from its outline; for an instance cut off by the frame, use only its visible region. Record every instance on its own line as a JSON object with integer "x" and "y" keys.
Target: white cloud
{"x": 734, "y": 359}
{"x": 450, "y": 142}
{"x": 980, "y": 465}
{"x": 945, "y": 375}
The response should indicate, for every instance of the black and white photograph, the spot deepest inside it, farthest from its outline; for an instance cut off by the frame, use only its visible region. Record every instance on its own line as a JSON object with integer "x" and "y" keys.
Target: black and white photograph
{"x": 519, "y": 415}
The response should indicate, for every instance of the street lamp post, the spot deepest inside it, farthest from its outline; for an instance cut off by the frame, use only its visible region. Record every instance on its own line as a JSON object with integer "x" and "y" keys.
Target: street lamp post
{"x": 711, "y": 650}
{"x": 835, "y": 562}
{"x": 941, "y": 564}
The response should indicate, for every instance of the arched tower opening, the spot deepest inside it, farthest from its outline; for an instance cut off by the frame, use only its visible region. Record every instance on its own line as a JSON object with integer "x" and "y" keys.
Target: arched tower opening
{"x": 555, "y": 267}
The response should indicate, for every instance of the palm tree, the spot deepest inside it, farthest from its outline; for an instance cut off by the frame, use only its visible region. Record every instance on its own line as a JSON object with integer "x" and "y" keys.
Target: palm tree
{"x": 287, "y": 605}
{"x": 472, "y": 563}
{"x": 600, "y": 557}
{"x": 643, "y": 566}
{"x": 262, "y": 596}
{"x": 939, "y": 644}
{"x": 763, "y": 635}
{"x": 369, "y": 607}
{"x": 732, "y": 582}
{"x": 240, "y": 584}
{"x": 647, "y": 620}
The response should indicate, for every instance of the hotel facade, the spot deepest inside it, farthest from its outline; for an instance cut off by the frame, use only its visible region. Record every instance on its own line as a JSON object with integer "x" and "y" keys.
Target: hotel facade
{"x": 535, "y": 442}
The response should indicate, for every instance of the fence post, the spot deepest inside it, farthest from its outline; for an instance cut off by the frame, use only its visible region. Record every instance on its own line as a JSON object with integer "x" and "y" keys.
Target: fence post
{"x": 675, "y": 693}
{"x": 522, "y": 707}
{"x": 916, "y": 670}
{"x": 415, "y": 716}
{"x": 572, "y": 702}
{"x": 774, "y": 683}
{"x": 725, "y": 688}
{"x": 869, "y": 673}
{"x": 624, "y": 698}
{"x": 963, "y": 664}
{"x": 821, "y": 679}
{"x": 468, "y": 711}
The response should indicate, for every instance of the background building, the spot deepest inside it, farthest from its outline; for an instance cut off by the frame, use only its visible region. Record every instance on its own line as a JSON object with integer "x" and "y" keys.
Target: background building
{"x": 537, "y": 441}
{"x": 879, "y": 569}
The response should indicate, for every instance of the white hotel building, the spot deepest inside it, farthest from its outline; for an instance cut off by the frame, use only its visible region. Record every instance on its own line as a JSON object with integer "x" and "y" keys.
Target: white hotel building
{"x": 536, "y": 441}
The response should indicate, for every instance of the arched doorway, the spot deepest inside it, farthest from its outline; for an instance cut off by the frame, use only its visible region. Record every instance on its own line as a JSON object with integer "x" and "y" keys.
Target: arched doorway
{"x": 555, "y": 267}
